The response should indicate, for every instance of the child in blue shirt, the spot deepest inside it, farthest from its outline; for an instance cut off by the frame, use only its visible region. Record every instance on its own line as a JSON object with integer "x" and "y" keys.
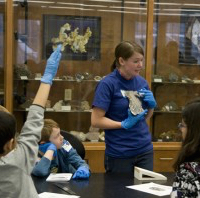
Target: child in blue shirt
{"x": 57, "y": 155}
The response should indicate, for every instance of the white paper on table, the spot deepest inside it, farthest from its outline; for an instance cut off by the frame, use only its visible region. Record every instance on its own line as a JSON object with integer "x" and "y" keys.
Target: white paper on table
{"x": 56, "y": 195}
{"x": 153, "y": 188}
{"x": 59, "y": 177}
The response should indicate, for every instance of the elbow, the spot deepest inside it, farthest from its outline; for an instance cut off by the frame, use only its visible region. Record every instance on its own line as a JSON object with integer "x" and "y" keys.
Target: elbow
{"x": 39, "y": 172}
{"x": 97, "y": 117}
{"x": 94, "y": 123}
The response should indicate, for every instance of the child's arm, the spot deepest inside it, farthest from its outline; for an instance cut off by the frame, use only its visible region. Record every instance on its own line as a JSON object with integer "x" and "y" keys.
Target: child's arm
{"x": 27, "y": 144}
{"x": 82, "y": 169}
{"x": 42, "y": 168}
{"x": 73, "y": 158}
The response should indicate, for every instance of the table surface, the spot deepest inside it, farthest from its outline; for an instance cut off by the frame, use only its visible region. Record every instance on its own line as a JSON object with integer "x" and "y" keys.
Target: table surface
{"x": 101, "y": 185}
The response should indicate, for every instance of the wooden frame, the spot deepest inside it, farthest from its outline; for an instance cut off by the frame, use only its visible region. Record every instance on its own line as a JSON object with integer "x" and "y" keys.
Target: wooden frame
{"x": 8, "y": 82}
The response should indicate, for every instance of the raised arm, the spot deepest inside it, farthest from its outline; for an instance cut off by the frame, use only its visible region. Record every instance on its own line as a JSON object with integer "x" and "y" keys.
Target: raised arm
{"x": 46, "y": 81}
{"x": 27, "y": 143}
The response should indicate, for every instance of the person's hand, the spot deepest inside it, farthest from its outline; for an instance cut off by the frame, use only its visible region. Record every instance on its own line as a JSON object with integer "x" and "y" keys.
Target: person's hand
{"x": 48, "y": 146}
{"x": 132, "y": 119}
{"x": 81, "y": 173}
{"x": 52, "y": 147}
{"x": 147, "y": 96}
{"x": 52, "y": 66}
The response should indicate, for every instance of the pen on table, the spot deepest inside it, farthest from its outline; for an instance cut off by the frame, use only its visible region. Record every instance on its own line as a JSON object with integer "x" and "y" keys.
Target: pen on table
{"x": 65, "y": 189}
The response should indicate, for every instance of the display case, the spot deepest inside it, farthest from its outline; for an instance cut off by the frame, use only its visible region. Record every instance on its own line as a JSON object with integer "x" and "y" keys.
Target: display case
{"x": 167, "y": 30}
{"x": 176, "y": 68}
{"x": 89, "y": 32}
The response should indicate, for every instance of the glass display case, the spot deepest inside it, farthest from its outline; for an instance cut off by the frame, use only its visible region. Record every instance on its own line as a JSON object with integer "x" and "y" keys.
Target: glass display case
{"x": 176, "y": 68}
{"x": 90, "y": 31}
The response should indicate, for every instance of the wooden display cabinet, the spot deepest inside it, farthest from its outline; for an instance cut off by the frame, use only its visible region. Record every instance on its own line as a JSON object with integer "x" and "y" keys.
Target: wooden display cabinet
{"x": 164, "y": 156}
{"x": 155, "y": 25}
{"x": 175, "y": 71}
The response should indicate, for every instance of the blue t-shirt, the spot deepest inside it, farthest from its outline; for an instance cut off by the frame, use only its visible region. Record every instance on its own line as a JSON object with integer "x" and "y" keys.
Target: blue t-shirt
{"x": 121, "y": 143}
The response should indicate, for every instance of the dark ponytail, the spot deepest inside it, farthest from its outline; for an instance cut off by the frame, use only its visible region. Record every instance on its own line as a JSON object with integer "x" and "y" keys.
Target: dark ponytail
{"x": 113, "y": 66}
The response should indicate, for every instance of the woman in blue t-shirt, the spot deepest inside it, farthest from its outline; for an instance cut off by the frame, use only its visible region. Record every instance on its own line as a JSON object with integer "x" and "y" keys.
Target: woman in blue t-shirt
{"x": 127, "y": 137}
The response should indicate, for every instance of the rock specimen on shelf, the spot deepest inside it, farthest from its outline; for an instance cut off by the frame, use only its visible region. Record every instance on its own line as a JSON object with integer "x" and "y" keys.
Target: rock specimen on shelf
{"x": 80, "y": 135}
{"x": 27, "y": 104}
{"x": 102, "y": 136}
{"x": 92, "y": 136}
{"x": 22, "y": 70}
{"x": 173, "y": 77}
{"x": 93, "y": 129}
{"x": 185, "y": 79}
{"x": 58, "y": 106}
{"x": 170, "y": 106}
{"x": 85, "y": 105}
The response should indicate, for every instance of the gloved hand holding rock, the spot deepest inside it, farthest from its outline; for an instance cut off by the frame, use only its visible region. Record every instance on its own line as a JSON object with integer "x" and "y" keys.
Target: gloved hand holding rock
{"x": 148, "y": 98}
{"x": 132, "y": 119}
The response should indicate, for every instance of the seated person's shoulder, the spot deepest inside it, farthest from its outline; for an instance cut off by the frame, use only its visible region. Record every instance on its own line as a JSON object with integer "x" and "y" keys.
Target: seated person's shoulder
{"x": 189, "y": 169}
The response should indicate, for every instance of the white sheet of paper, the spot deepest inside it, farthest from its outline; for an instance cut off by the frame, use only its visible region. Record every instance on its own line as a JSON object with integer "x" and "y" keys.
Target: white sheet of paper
{"x": 59, "y": 177}
{"x": 56, "y": 195}
{"x": 153, "y": 188}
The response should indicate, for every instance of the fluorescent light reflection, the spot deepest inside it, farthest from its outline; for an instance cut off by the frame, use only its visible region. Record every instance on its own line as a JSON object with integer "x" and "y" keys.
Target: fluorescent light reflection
{"x": 189, "y": 4}
{"x": 188, "y": 10}
{"x": 41, "y": 2}
{"x": 72, "y": 8}
{"x": 135, "y": 2}
{"x": 81, "y": 4}
{"x": 167, "y": 3}
{"x": 170, "y": 14}
{"x": 108, "y": 1}
{"x": 117, "y": 11}
{"x": 131, "y": 8}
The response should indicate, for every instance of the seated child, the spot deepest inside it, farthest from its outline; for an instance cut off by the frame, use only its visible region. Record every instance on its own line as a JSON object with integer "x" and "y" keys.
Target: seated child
{"x": 187, "y": 166}
{"x": 57, "y": 155}
{"x": 18, "y": 156}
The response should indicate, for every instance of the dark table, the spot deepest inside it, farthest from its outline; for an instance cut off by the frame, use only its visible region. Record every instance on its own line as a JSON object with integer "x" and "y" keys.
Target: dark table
{"x": 101, "y": 185}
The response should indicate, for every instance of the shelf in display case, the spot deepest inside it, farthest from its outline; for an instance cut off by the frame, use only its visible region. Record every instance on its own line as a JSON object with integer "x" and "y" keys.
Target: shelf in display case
{"x": 167, "y": 112}
{"x": 177, "y": 83}
{"x": 51, "y": 110}
{"x": 60, "y": 80}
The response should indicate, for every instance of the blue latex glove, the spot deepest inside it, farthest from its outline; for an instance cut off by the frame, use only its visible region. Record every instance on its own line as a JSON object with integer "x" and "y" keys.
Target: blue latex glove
{"x": 52, "y": 66}
{"x": 81, "y": 173}
{"x": 48, "y": 146}
{"x": 132, "y": 119}
{"x": 147, "y": 96}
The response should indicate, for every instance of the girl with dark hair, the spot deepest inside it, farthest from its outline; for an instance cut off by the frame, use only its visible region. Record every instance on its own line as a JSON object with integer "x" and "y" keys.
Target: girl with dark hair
{"x": 127, "y": 137}
{"x": 187, "y": 165}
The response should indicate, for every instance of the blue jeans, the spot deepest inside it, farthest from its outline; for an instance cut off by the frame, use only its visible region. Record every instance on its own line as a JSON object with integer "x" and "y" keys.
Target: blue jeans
{"x": 118, "y": 165}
